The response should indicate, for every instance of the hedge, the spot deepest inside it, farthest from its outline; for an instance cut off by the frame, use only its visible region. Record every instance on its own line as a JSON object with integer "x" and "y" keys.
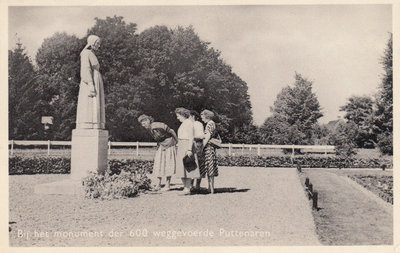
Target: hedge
{"x": 303, "y": 161}
{"x": 19, "y": 165}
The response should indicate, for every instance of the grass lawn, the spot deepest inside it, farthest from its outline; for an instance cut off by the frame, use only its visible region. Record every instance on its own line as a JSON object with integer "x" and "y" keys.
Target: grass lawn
{"x": 347, "y": 215}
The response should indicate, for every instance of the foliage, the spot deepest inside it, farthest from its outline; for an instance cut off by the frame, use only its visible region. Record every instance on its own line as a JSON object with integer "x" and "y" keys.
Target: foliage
{"x": 152, "y": 72}
{"x": 380, "y": 185}
{"x": 58, "y": 81}
{"x": 343, "y": 139}
{"x": 120, "y": 66}
{"x": 132, "y": 165}
{"x": 383, "y": 118}
{"x": 321, "y": 134}
{"x": 24, "y": 113}
{"x": 303, "y": 161}
{"x": 385, "y": 143}
{"x": 20, "y": 165}
{"x": 295, "y": 114}
{"x": 359, "y": 110}
{"x": 125, "y": 184}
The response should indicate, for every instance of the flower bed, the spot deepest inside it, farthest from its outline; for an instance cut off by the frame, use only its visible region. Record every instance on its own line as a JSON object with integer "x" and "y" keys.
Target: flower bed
{"x": 380, "y": 185}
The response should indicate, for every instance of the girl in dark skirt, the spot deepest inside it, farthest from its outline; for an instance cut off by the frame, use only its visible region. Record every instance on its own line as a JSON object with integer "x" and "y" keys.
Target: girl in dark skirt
{"x": 209, "y": 164}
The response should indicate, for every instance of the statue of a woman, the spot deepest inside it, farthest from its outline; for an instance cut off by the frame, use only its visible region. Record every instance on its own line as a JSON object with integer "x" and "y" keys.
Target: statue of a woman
{"x": 90, "y": 112}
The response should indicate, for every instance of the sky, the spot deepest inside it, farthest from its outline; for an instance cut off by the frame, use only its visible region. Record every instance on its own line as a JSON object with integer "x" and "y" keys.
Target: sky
{"x": 337, "y": 47}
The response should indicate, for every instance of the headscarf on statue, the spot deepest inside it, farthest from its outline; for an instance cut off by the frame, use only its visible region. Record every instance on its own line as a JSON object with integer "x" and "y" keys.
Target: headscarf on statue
{"x": 91, "y": 40}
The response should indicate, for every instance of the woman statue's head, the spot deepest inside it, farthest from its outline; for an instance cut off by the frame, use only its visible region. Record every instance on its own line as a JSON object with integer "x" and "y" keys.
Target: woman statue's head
{"x": 145, "y": 120}
{"x": 207, "y": 115}
{"x": 182, "y": 113}
{"x": 93, "y": 42}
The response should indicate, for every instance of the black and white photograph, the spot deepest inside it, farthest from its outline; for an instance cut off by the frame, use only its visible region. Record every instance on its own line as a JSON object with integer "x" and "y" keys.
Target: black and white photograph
{"x": 200, "y": 125}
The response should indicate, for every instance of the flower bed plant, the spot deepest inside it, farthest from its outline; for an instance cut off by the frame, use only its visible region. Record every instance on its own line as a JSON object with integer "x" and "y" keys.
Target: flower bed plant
{"x": 380, "y": 185}
{"x": 116, "y": 185}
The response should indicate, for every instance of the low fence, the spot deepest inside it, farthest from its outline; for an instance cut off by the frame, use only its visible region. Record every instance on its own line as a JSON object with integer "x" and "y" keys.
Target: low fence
{"x": 138, "y": 145}
{"x": 311, "y": 193}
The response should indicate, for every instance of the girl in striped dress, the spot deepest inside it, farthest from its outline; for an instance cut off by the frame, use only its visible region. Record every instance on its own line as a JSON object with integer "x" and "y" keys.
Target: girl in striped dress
{"x": 209, "y": 166}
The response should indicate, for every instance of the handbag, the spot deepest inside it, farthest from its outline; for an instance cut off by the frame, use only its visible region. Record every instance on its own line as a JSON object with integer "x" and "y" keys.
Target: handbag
{"x": 216, "y": 142}
{"x": 189, "y": 162}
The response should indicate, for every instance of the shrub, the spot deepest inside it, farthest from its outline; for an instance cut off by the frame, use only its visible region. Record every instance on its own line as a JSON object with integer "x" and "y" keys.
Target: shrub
{"x": 304, "y": 161}
{"x": 385, "y": 143}
{"x": 19, "y": 165}
{"x": 112, "y": 185}
{"x": 55, "y": 165}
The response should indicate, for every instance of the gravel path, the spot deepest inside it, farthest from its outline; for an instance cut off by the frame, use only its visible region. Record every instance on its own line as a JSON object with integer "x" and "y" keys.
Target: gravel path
{"x": 252, "y": 206}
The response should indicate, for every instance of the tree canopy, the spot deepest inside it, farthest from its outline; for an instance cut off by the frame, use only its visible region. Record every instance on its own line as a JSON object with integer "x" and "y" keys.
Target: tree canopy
{"x": 359, "y": 110}
{"x": 383, "y": 124}
{"x": 295, "y": 113}
{"x": 24, "y": 111}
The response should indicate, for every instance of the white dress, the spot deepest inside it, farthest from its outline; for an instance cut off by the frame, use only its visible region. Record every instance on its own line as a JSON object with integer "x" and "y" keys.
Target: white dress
{"x": 185, "y": 143}
{"x": 91, "y": 110}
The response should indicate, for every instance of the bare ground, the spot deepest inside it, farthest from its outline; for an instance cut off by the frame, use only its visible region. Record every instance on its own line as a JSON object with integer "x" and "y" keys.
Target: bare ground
{"x": 252, "y": 206}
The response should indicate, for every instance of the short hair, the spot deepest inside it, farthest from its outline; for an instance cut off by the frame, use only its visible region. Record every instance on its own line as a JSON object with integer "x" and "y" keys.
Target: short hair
{"x": 145, "y": 117}
{"x": 195, "y": 114}
{"x": 208, "y": 114}
{"x": 183, "y": 111}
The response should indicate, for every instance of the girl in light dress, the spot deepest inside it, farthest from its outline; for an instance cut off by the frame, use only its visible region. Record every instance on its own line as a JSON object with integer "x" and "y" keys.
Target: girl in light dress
{"x": 165, "y": 158}
{"x": 186, "y": 147}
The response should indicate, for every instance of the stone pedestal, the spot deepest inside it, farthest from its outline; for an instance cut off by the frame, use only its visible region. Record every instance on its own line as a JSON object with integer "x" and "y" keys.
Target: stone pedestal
{"x": 88, "y": 153}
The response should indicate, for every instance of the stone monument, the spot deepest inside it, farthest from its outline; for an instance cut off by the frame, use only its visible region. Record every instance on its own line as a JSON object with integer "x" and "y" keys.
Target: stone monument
{"x": 89, "y": 139}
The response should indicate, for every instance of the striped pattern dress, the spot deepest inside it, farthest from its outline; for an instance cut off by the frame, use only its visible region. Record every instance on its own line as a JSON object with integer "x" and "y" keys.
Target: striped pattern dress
{"x": 208, "y": 164}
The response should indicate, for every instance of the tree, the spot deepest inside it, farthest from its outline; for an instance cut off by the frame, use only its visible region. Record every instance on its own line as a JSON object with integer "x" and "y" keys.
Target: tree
{"x": 295, "y": 113}
{"x": 383, "y": 124}
{"x": 359, "y": 110}
{"x": 343, "y": 138}
{"x": 24, "y": 119}
{"x": 58, "y": 81}
{"x": 153, "y": 72}
{"x": 120, "y": 66}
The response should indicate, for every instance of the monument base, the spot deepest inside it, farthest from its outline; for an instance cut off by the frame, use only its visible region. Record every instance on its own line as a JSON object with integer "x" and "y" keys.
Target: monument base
{"x": 89, "y": 152}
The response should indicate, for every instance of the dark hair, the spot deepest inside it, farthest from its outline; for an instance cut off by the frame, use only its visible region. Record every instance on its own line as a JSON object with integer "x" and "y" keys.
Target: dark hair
{"x": 183, "y": 111}
{"x": 195, "y": 114}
